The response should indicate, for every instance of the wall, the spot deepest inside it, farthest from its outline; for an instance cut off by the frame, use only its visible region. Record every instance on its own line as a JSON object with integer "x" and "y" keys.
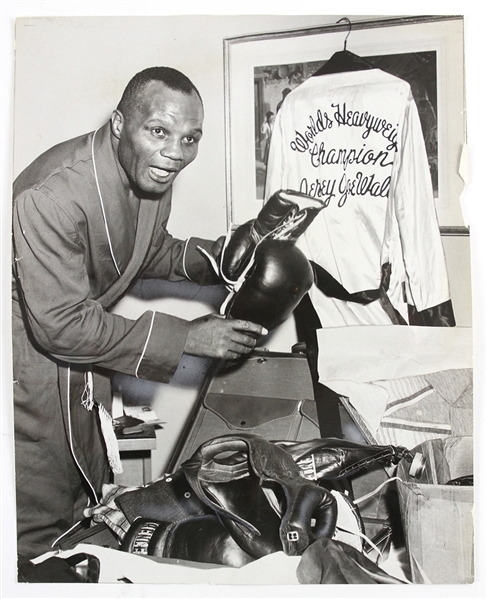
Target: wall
{"x": 70, "y": 73}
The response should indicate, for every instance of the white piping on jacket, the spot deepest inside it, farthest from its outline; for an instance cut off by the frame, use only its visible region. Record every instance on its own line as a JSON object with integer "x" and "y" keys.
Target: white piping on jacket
{"x": 102, "y": 205}
{"x": 71, "y": 436}
{"x": 184, "y": 262}
{"x": 145, "y": 346}
{"x": 65, "y": 533}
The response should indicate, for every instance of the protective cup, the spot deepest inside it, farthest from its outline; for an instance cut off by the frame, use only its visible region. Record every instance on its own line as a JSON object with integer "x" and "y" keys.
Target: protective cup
{"x": 278, "y": 486}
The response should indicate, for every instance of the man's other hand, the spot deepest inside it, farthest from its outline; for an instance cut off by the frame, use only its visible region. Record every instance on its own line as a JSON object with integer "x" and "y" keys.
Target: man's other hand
{"x": 213, "y": 336}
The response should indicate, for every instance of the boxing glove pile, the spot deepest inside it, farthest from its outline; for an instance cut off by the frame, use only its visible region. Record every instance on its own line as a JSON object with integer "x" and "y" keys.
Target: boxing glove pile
{"x": 241, "y": 497}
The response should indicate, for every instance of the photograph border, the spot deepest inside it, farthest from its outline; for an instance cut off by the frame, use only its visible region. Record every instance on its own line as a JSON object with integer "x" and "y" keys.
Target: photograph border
{"x": 477, "y": 156}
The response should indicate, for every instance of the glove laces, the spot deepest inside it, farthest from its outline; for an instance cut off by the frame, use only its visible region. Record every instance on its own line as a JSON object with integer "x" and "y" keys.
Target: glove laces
{"x": 282, "y": 232}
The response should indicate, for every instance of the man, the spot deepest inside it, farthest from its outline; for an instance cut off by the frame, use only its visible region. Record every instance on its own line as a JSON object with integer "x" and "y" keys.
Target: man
{"x": 266, "y": 131}
{"x": 285, "y": 93}
{"x": 89, "y": 218}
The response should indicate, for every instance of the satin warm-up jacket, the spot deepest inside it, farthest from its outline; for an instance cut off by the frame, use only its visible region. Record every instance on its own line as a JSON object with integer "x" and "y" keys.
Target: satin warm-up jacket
{"x": 354, "y": 141}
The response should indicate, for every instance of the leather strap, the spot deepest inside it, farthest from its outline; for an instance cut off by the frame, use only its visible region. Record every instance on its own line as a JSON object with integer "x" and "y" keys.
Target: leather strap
{"x": 327, "y": 401}
{"x": 332, "y": 288}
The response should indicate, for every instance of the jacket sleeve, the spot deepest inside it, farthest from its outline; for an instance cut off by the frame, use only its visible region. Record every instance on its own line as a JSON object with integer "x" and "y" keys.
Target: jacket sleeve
{"x": 52, "y": 270}
{"x": 277, "y": 169}
{"x": 416, "y": 217}
{"x": 176, "y": 260}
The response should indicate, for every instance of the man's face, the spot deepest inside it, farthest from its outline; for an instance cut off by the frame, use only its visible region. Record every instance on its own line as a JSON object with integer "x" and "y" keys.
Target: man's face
{"x": 160, "y": 137}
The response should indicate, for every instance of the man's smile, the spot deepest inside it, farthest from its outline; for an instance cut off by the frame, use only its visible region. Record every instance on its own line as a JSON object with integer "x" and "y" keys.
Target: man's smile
{"x": 160, "y": 175}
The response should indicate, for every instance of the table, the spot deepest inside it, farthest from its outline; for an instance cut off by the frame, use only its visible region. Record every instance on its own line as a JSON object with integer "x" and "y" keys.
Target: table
{"x": 136, "y": 456}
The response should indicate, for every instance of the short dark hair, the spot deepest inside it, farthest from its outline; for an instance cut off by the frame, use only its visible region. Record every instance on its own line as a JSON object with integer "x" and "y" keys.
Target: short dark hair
{"x": 172, "y": 78}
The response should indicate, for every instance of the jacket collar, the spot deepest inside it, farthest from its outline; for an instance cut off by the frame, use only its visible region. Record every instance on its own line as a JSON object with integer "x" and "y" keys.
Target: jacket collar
{"x": 134, "y": 217}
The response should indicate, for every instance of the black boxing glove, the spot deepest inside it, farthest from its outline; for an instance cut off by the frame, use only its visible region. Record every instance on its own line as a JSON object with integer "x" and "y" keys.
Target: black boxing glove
{"x": 196, "y": 539}
{"x": 332, "y": 459}
{"x": 168, "y": 499}
{"x": 275, "y": 284}
{"x": 286, "y": 215}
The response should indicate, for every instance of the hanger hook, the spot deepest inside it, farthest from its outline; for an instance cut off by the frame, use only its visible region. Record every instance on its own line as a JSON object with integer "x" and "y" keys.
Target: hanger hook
{"x": 349, "y": 30}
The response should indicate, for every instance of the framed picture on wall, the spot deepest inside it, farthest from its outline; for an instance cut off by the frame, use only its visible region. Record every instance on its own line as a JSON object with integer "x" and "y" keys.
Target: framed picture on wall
{"x": 260, "y": 70}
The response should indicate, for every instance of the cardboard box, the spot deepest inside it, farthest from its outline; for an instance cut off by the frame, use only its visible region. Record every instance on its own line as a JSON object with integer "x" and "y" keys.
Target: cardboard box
{"x": 438, "y": 518}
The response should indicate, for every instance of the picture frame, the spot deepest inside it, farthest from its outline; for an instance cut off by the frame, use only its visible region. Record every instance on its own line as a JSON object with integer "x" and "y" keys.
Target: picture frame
{"x": 428, "y": 49}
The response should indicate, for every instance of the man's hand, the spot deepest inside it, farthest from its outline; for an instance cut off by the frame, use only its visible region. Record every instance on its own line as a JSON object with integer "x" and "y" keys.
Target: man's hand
{"x": 213, "y": 336}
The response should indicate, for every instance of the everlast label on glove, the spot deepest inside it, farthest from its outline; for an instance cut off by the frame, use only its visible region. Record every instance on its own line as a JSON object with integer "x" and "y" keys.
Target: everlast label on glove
{"x": 139, "y": 537}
